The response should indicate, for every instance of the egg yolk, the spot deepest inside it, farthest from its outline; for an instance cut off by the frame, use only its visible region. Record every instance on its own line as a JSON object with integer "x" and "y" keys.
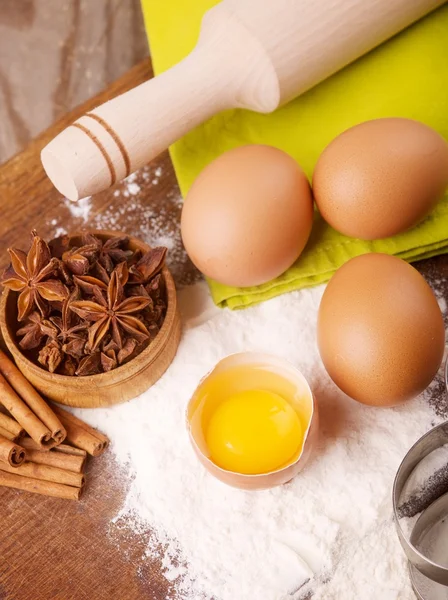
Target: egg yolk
{"x": 253, "y": 432}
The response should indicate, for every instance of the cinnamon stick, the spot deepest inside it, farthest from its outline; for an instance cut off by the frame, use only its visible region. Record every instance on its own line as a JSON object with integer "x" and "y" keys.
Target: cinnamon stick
{"x": 32, "y": 398}
{"x": 8, "y": 435}
{"x": 56, "y": 459}
{"x": 46, "y": 488}
{"x": 82, "y": 435}
{"x": 83, "y": 439}
{"x": 64, "y": 448}
{"x": 23, "y": 414}
{"x": 46, "y": 473}
{"x": 68, "y": 417}
{"x": 30, "y": 444}
{"x": 10, "y": 453}
{"x": 11, "y": 425}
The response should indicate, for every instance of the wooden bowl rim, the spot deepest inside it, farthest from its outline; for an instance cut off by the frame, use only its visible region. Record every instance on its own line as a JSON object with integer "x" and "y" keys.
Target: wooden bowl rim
{"x": 145, "y": 358}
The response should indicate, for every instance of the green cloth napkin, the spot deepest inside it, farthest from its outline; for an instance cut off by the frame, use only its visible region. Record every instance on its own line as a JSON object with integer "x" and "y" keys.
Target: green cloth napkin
{"x": 407, "y": 76}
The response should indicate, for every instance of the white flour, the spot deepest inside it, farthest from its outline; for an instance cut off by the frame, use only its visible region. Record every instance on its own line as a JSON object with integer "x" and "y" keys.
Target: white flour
{"x": 80, "y": 209}
{"x": 332, "y": 524}
{"x": 132, "y": 209}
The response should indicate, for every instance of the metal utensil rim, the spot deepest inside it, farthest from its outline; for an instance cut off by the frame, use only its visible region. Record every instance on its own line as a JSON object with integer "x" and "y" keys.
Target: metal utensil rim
{"x": 409, "y": 462}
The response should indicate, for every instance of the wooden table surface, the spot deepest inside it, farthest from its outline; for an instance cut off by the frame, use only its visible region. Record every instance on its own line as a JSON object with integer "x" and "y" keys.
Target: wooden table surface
{"x": 56, "y": 550}
{"x": 51, "y": 549}
{"x": 53, "y": 56}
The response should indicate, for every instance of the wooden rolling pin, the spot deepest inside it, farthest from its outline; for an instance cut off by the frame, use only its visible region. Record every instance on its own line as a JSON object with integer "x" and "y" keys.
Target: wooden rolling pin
{"x": 254, "y": 54}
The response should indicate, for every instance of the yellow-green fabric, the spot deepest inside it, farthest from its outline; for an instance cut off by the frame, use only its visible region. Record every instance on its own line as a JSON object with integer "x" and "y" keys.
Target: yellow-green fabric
{"x": 407, "y": 76}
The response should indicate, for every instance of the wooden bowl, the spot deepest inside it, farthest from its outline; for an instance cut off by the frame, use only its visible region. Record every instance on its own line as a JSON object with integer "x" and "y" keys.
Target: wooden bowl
{"x": 119, "y": 385}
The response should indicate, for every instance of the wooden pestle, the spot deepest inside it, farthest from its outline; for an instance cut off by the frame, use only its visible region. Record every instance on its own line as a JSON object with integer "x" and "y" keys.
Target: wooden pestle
{"x": 250, "y": 54}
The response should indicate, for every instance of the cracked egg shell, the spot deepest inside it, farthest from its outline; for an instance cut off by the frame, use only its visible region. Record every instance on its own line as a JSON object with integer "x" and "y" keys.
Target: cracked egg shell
{"x": 254, "y": 371}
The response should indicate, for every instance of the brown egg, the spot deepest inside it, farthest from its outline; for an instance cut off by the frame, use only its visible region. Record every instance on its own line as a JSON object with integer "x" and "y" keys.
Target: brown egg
{"x": 380, "y": 330}
{"x": 381, "y": 177}
{"x": 247, "y": 216}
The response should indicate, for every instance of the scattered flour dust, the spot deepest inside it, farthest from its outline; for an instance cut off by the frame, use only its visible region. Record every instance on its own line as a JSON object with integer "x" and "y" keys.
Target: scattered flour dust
{"x": 327, "y": 535}
{"x": 132, "y": 210}
{"x": 80, "y": 209}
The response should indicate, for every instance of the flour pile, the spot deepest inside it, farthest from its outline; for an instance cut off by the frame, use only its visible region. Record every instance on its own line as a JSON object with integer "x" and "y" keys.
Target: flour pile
{"x": 327, "y": 535}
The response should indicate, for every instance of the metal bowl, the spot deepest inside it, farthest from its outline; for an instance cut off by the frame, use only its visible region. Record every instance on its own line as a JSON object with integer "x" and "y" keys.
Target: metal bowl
{"x": 427, "y": 545}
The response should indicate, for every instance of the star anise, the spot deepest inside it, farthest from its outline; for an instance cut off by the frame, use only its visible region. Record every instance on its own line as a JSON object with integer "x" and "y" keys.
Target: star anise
{"x": 156, "y": 309}
{"x": 69, "y": 331}
{"x": 113, "y": 313}
{"x": 51, "y": 356}
{"x": 76, "y": 263}
{"x": 153, "y": 329}
{"x": 29, "y": 274}
{"x": 138, "y": 290}
{"x": 100, "y": 272}
{"x": 90, "y": 308}
{"x": 128, "y": 350}
{"x": 35, "y": 329}
{"x": 108, "y": 360}
{"x": 88, "y": 284}
{"x": 109, "y": 344}
{"x": 156, "y": 287}
{"x": 136, "y": 256}
{"x": 59, "y": 245}
{"x": 89, "y": 248}
{"x": 148, "y": 266}
{"x": 65, "y": 275}
{"x": 79, "y": 259}
{"x": 110, "y": 252}
{"x": 69, "y": 366}
{"x": 75, "y": 347}
{"x": 89, "y": 365}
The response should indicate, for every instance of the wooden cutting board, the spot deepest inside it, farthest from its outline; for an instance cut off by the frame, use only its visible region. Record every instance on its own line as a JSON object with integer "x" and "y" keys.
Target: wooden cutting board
{"x": 52, "y": 549}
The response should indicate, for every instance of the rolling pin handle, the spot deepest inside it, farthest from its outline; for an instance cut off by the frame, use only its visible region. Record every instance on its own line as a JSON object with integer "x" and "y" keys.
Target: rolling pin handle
{"x": 122, "y": 135}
